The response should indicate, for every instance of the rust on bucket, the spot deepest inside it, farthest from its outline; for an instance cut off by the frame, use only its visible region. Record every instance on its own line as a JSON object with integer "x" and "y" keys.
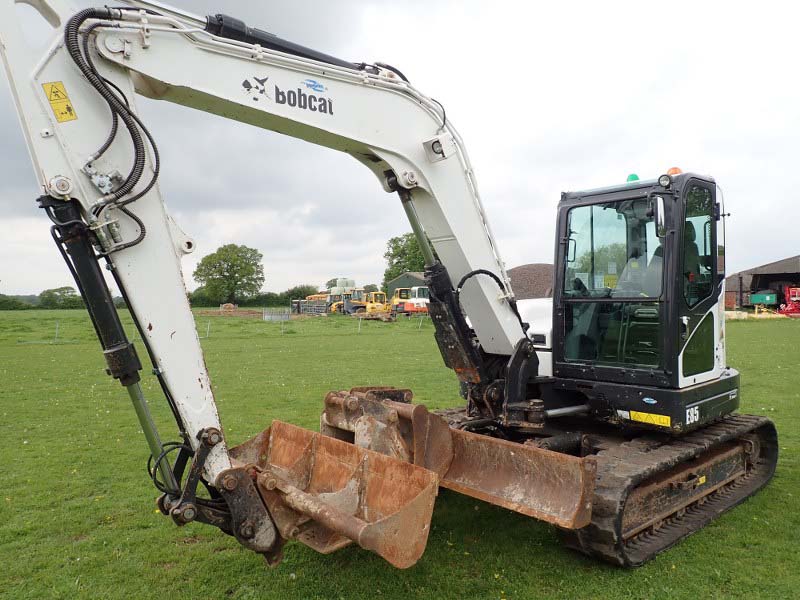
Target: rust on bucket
{"x": 327, "y": 493}
{"x": 547, "y": 485}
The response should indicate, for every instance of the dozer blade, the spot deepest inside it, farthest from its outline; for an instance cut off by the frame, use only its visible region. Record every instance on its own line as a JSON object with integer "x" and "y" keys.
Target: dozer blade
{"x": 547, "y": 485}
{"x": 327, "y": 493}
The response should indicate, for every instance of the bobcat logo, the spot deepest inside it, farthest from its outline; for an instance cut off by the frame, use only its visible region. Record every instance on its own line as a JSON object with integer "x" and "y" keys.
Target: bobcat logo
{"x": 256, "y": 88}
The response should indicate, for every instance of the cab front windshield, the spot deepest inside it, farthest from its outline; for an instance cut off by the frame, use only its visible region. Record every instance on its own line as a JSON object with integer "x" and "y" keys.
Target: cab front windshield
{"x": 612, "y": 285}
{"x": 613, "y": 251}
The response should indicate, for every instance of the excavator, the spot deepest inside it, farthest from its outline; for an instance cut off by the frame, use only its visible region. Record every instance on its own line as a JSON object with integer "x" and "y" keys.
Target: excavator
{"x": 410, "y": 301}
{"x": 608, "y": 411}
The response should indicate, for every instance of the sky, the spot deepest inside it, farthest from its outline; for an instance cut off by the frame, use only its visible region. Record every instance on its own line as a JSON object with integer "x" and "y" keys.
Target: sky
{"x": 548, "y": 97}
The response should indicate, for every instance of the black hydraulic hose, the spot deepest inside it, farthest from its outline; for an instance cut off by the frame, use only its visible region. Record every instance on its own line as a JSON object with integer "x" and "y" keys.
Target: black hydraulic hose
{"x": 114, "y": 118}
{"x": 120, "y": 108}
{"x": 499, "y": 283}
{"x": 159, "y": 375}
{"x": 156, "y": 155}
{"x": 444, "y": 113}
{"x": 398, "y": 72}
{"x": 472, "y": 274}
{"x": 156, "y": 164}
{"x": 139, "y": 238}
{"x": 73, "y": 45}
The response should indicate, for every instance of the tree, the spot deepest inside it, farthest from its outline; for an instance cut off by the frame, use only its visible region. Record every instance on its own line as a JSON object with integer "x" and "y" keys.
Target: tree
{"x": 60, "y": 298}
{"x": 371, "y": 287}
{"x": 9, "y": 303}
{"x": 402, "y": 254}
{"x": 299, "y": 292}
{"x": 199, "y": 297}
{"x": 603, "y": 256}
{"x": 283, "y": 299}
{"x": 231, "y": 274}
{"x": 331, "y": 283}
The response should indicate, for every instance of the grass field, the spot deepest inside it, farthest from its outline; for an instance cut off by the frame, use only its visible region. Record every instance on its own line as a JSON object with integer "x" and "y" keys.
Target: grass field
{"x": 77, "y": 518}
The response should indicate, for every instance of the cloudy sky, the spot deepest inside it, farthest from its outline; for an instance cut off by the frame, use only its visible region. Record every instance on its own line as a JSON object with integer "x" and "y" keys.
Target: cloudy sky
{"x": 548, "y": 97}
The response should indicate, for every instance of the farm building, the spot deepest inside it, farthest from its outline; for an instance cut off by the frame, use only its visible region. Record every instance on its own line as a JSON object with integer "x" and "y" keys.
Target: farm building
{"x": 406, "y": 280}
{"x": 766, "y": 284}
{"x": 532, "y": 281}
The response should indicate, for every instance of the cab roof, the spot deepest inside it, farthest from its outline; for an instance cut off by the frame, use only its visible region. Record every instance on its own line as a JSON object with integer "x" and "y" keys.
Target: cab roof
{"x": 631, "y": 189}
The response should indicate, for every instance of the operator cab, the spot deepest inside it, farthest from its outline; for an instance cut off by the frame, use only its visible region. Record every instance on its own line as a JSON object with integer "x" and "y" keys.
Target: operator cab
{"x": 638, "y": 321}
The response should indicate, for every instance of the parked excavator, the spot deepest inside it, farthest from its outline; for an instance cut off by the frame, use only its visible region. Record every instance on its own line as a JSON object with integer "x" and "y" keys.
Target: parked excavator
{"x": 608, "y": 411}
{"x": 411, "y": 301}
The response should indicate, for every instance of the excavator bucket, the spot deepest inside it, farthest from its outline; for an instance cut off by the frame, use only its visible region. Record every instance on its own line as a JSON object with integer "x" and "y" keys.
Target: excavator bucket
{"x": 547, "y": 485}
{"x": 327, "y": 493}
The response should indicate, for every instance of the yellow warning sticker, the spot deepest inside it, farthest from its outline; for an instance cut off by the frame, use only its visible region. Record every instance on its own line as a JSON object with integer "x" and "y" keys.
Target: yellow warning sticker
{"x": 651, "y": 419}
{"x": 59, "y": 101}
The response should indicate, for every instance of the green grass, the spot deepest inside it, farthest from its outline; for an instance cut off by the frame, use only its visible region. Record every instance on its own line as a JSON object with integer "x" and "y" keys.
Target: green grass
{"x": 77, "y": 518}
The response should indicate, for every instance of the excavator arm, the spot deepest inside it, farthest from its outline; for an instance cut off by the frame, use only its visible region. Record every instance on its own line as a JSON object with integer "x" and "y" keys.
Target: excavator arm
{"x": 369, "y": 112}
{"x": 98, "y": 166}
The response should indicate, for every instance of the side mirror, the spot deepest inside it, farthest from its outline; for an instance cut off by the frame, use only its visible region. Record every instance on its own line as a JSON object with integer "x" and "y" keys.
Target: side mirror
{"x": 660, "y": 216}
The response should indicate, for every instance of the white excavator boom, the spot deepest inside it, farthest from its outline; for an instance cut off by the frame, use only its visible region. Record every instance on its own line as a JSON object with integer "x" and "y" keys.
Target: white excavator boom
{"x": 373, "y": 115}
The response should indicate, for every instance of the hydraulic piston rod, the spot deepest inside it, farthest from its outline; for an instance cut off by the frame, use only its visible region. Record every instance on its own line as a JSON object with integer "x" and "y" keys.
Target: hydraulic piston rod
{"x": 72, "y": 236}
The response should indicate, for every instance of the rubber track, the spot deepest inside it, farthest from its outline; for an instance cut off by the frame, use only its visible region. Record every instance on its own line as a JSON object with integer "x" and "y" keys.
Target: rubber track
{"x": 624, "y": 466}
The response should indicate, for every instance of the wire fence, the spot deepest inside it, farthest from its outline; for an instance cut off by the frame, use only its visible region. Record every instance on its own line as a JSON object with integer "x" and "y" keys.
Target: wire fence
{"x": 76, "y": 328}
{"x": 57, "y": 339}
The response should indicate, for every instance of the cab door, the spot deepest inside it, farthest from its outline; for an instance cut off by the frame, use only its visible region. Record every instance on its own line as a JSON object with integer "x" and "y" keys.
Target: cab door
{"x": 700, "y": 274}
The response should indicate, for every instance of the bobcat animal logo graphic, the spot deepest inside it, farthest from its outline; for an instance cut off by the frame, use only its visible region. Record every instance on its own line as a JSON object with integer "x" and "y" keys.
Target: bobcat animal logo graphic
{"x": 256, "y": 88}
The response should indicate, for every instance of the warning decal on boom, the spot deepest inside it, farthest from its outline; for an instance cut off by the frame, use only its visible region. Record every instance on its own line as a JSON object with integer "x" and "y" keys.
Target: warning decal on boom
{"x": 59, "y": 101}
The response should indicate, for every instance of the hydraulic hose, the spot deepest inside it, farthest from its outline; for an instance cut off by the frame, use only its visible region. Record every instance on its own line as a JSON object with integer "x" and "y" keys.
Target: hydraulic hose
{"x": 114, "y": 117}
{"x": 73, "y": 45}
{"x": 500, "y": 284}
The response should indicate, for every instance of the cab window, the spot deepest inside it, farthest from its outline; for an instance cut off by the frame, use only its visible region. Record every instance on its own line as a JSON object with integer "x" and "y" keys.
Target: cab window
{"x": 613, "y": 251}
{"x": 698, "y": 245}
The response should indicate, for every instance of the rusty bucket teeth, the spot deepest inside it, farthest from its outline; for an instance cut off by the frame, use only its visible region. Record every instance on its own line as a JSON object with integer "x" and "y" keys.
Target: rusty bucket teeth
{"x": 327, "y": 493}
{"x": 547, "y": 485}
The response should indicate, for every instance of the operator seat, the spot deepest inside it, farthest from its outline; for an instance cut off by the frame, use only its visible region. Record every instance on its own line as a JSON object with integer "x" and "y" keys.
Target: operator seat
{"x": 691, "y": 255}
{"x": 630, "y": 280}
{"x": 651, "y": 286}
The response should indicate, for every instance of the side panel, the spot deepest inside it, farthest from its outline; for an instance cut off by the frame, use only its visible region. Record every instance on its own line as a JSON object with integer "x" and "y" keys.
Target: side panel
{"x": 660, "y": 409}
